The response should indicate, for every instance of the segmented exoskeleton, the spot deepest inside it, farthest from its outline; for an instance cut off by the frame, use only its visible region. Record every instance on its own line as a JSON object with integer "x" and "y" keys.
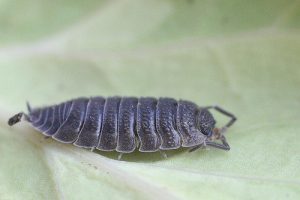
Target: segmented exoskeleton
{"x": 126, "y": 123}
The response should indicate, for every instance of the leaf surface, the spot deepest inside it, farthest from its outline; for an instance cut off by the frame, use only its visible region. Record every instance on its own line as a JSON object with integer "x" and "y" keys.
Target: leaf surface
{"x": 242, "y": 55}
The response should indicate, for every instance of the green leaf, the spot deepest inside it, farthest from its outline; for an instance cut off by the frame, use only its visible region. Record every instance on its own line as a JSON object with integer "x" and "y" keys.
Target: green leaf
{"x": 242, "y": 55}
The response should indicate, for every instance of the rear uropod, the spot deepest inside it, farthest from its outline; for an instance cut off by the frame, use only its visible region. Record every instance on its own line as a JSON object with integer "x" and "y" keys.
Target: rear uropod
{"x": 124, "y": 124}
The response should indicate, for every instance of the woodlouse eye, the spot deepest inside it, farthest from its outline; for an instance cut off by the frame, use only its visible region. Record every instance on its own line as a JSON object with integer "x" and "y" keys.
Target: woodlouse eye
{"x": 206, "y": 129}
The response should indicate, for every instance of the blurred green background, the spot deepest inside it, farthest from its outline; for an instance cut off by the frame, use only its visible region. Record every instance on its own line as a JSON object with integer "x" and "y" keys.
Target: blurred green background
{"x": 243, "y": 55}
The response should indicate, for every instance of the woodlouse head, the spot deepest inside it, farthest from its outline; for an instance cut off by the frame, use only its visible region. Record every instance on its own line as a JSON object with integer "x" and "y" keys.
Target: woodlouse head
{"x": 206, "y": 122}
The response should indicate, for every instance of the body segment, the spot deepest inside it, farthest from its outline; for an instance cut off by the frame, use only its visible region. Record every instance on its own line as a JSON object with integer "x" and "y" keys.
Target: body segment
{"x": 146, "y": 131}
{"x": 187, "y": 124}
{"x": 55, "y": 122}
{"x": 109, "y": 131}
{"x": 166, "y": 113}
{"x": 89, "y": 134}
{"x": 70, "y": 128}
{"x": 48, "y": 121}
{"x": 127, "y": 125}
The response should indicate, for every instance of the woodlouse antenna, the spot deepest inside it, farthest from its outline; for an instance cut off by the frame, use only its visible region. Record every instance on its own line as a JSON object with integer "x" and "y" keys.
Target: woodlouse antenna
{"x": 224, "y": 146}
{"x": 17, "y": 118}
{"x": 218, "y": 133}
{"x": 226, "y": 113}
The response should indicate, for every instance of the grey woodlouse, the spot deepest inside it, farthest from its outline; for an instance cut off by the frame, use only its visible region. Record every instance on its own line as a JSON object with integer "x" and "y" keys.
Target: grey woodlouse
{"x": 126, "y": 123}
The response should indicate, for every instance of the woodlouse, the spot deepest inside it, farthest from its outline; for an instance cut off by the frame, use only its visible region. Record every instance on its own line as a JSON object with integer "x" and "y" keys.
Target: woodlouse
{"x": 126, "y": 123}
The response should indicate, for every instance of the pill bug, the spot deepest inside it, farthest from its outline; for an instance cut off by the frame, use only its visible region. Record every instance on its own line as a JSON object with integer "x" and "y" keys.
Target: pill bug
{"x": 124, "y": 124}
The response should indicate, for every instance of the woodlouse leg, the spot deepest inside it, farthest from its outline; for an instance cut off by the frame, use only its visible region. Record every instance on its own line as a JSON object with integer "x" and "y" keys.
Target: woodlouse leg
{"x": 93, "y": 149}
{"x": 226, "y": 113}
{"x": 120, "y": 156}
{"x": 47, "y": 137}
{"x": 201, "y": 146}
{"x": 163, "y": 154}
